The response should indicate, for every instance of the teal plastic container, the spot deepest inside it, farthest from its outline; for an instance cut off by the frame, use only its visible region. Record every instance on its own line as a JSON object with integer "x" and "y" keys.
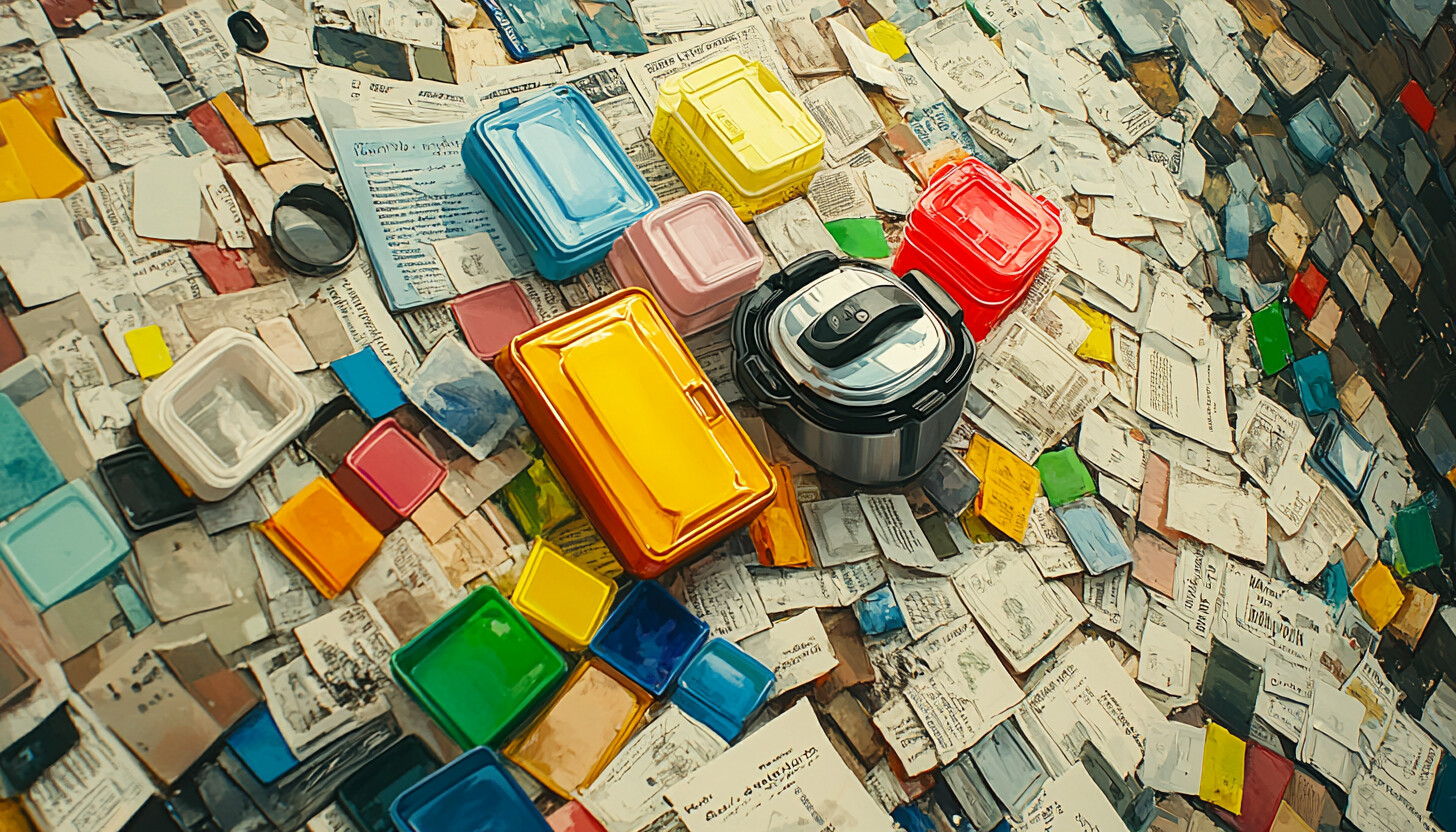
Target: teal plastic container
{"x": 479, "y": 670}
{"x": 26, "y": 470}
{"x": 61, "y": 545}
{"x": 555, "y": 170}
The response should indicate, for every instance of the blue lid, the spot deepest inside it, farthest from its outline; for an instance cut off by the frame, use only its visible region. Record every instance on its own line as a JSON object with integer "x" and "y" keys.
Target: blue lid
{"x": 1094, "y": 534}
{"x": 1314, "y": 132}
{"x": 568, "y": 170}
{"x": 26, "y": 470}
{"x": 372, "y": 386}
{"x": 474, "y": 792}
{"x": 732, "y": 682}
{"x": 62, "y": 544}
{"x": 650, "y": 637}
{"x": 260, "y": 745}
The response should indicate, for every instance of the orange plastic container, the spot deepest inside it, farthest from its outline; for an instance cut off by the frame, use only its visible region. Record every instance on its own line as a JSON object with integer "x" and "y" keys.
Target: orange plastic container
{"x": 324, "y": 535}
{"x": 982, "y": 238}
{"x": 659, "y": 464}
{"x": 778, "y": 533}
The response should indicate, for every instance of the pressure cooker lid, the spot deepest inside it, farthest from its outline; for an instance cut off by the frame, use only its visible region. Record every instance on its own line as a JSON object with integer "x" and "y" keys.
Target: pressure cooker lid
{"x": 857, "y": 336}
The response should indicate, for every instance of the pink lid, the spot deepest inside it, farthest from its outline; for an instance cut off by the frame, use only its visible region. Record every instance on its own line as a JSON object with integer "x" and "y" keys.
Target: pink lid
{"x": 490, "y": 317}
{"x": 396, "y": 465}
{"x": 696, "y": 253}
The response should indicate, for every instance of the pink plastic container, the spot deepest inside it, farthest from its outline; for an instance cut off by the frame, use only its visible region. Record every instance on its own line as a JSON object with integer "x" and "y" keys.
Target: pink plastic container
{"x": 388, "y": 474}
{"x": 694, "y": 255}
{"x": 490, "y": 317}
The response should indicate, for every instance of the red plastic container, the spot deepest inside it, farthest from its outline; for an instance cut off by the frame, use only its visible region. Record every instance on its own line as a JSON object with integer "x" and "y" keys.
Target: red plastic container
{"x": 388, "y": 474}
{"x": 981, "y": 238}
{"x": 489, "y": 318}
{"x": 573, "y": 817}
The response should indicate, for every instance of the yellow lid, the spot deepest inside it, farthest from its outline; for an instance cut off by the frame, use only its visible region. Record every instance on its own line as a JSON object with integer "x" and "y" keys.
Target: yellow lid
{"x": 148, "y": 350}
{"x": 564, "y": 600}
{"x": 657, "y": 440}
{"x": 247, "y": 135}
{"x": 745, "y": 107}
{"x": 50, "y": 171}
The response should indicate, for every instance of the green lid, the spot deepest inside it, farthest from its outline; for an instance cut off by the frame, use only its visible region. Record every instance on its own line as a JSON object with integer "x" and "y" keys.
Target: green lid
{"x": 1064, "y": 477}
{"x": 1417, "y": 539}
{"x": 479, "y": 669}
{"x": 1271, "y": 333}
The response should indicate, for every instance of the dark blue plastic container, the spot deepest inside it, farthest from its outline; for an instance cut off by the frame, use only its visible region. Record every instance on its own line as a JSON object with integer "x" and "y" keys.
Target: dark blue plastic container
{"x": 650, "y": 637}
{"x": 474, "y": 793}
{"x": 555, "y": 170}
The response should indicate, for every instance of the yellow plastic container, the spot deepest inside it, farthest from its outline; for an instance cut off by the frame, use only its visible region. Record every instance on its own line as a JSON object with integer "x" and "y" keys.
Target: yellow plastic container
{"x": 778, "y": 533}
{"x": 730, "y": 126}
{"x": 583, "y": 728}
{"x": 563, "y": 599}
{"x": 638, "y": 432}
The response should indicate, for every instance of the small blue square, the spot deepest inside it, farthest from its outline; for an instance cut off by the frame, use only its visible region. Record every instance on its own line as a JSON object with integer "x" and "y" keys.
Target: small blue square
{"x": 371, "y": 384}
{"x": 1314, "y": 132}
{"x": 259, "y": 744}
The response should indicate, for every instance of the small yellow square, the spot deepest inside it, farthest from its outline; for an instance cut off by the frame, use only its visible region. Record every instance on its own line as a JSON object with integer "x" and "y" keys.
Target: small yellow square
{"x": 149, "y": 351}
{"x": 1378, "y": 594}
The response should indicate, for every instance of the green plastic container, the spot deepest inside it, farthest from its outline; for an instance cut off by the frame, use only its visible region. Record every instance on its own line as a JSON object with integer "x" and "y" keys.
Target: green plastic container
{"x": 479, "y": 670}
{"x": 1271, "y": 333}
{"x": 1063, "y": 476}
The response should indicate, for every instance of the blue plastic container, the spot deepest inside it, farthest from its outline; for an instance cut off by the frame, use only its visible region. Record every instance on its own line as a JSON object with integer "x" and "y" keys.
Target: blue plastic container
{"x": 259, "y": 744}
{"x": 64, "y": 543}
{"x": 650, "y": 637}
{"x": 553, "y": 167}
{"x": 723, "y": 687}
{"x": 878, "y": 613}
{"x": 474, "y": 793}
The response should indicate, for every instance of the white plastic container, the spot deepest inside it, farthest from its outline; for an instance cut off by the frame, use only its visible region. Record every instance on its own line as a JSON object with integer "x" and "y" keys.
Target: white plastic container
{"x": 222, "y": 412}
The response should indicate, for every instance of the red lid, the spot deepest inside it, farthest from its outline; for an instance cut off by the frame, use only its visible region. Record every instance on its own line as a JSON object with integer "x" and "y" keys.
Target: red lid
{"x": 396, "y": 465}
{"x": 1307, "y": 289}
{"x": 993, "y": 230}
{"x": 490, "y": 317}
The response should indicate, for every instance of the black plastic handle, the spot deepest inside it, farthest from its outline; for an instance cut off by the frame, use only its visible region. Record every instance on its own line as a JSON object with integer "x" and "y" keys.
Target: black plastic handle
{"x": 857, "y": 323}
{"x": 248, "y": 33}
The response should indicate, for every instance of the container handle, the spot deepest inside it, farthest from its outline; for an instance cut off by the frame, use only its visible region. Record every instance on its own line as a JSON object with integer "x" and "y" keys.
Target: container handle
{"x": 936, "y": 297}
{"x": 811, "y": 266}
{"x": 760, "y": 384}
{"x": 706, "y": 405}
{"x": 1049, "y": 206}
